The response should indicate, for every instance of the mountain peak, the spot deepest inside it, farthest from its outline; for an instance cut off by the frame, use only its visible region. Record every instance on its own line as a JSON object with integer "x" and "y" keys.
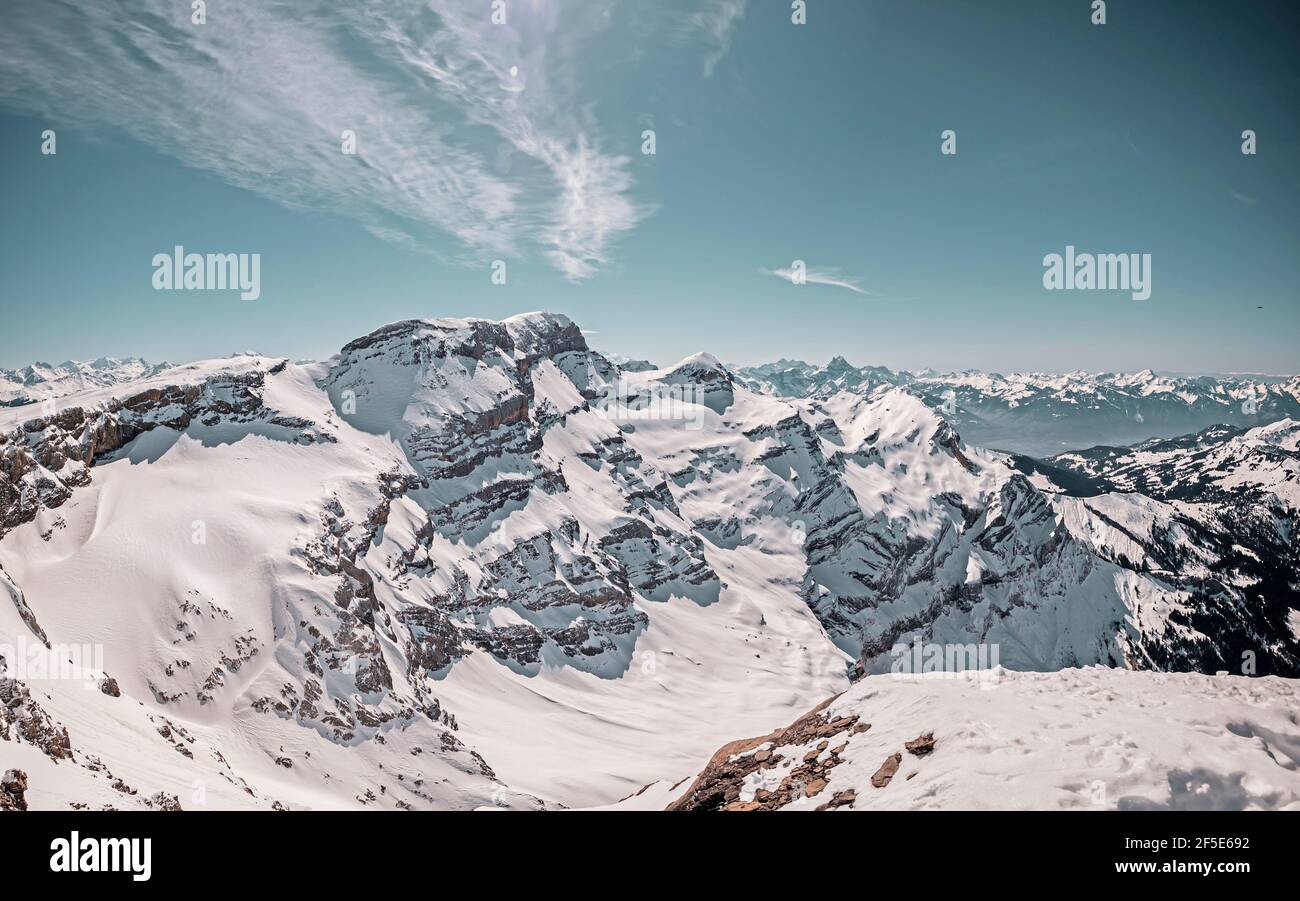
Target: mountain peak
{"x": 544, "y": 334}
{"x": 704, "y": 372}
{"x": 702, "y": 360}
{"x": 528, "y": 334}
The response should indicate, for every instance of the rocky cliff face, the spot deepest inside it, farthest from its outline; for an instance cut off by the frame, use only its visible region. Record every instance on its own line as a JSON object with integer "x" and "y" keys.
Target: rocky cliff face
{"x": 512, "y": 558}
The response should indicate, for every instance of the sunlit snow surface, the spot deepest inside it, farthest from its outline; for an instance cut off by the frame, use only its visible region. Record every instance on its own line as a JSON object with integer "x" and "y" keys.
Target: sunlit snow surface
{"x": 1078, "y": 739}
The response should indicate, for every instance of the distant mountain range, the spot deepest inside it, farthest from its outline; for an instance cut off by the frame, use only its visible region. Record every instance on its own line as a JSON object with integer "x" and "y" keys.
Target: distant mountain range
{"x": 1044, "y": 414}
{"x": 39, "y": 382}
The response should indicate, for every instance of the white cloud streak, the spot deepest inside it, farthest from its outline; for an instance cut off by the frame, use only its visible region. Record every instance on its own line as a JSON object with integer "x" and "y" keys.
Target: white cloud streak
{"x": 828, "y": 277}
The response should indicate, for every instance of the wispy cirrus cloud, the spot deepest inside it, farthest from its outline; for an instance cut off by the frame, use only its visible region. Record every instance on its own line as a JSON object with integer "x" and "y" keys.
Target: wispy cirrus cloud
{"x": 464, "y": 128}
{"x": 812, "y": 276}
{"x": 716, "y": 24}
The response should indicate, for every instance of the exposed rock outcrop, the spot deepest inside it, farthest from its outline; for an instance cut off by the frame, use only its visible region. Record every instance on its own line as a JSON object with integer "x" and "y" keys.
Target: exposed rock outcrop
{"x": 769, "y": 772}
{"x": 13, "y": 788}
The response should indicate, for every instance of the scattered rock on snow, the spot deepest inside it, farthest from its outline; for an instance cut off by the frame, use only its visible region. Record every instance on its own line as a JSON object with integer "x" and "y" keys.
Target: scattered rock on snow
{"x": 921, "y": 745}
{"x": 887, "y": 770}
{"x": 841, "y": 799}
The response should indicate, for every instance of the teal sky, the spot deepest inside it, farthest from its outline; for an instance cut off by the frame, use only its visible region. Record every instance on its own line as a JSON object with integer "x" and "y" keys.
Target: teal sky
{"x": 775, "y": 142}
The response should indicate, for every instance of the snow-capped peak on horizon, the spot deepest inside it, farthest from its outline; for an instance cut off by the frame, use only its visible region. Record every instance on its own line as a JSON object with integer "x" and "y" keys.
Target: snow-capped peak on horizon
{"x": 839, "y": 363}
{"x": 701, "y": 359}
{"x": 38, "y": 381}
{"x": 1046, "y": 413}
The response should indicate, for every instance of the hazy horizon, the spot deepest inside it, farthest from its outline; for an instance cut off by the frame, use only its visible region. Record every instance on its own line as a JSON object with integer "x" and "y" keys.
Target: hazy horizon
{"x": 618, "y": 356}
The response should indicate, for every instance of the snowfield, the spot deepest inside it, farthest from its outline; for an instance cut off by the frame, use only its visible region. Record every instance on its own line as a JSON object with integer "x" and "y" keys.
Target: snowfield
{"x": 1079, "y": 739}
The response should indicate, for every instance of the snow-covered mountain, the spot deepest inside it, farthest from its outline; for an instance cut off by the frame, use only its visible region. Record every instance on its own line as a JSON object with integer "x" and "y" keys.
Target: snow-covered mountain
{"x": 1045, "y": 414}
{"x": 1219, "y": 463}
{"x": 38, "y": 382}
{"x": 467, "y": 563}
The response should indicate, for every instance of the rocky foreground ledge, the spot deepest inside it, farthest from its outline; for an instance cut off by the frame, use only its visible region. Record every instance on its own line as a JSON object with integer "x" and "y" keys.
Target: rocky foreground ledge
{"x": 1084, "y": 739}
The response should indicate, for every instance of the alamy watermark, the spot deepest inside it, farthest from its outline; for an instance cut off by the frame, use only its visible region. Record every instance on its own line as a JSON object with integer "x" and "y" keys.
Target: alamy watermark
{"x": 29, "y": 661}
{"x": 1098, "y": 272}
{"x": 75, "y": 854}
{"x": 181, "y": 271}
{"x": 926, "y": 660}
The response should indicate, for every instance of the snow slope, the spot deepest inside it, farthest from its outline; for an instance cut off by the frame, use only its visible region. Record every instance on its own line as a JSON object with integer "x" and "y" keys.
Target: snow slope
{"x": 1090, "y": 739}
{"x": 176, "y": 560}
